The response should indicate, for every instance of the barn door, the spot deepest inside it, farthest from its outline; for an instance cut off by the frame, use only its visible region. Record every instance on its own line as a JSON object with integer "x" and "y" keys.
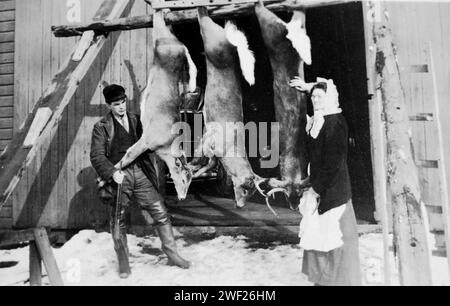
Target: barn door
{"x": 414, "y": 31}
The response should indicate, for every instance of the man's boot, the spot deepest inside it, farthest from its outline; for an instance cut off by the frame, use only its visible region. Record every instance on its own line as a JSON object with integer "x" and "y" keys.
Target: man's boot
{"x": 169, "y": 246}
{"x": 121, "y": 248}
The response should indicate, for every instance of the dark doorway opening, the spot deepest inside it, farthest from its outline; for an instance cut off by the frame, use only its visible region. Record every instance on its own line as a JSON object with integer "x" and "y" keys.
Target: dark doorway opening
{"x": 257, "y": 99}
{"x": 338, "y": 52}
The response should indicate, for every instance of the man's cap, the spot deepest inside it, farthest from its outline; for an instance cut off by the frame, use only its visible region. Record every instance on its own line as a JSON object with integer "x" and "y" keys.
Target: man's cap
{"x": 113, "y": 93}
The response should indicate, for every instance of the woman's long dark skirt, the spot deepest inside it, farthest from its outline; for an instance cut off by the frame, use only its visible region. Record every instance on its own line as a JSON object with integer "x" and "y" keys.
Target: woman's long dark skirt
{"x": 339, "y": 267}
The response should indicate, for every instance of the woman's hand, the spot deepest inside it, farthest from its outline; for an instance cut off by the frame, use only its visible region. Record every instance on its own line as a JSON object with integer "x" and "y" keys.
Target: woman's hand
{"x": 300, "y": 84}
{"x": 314, "y": 193}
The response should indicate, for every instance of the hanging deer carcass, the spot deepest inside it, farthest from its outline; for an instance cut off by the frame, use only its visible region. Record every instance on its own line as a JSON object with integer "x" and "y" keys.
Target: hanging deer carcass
{"x": 227, "y": 57}
{"x": 288, "y": 45}
{"x": 160, "y": 104}
{"x": 223, "y": 100}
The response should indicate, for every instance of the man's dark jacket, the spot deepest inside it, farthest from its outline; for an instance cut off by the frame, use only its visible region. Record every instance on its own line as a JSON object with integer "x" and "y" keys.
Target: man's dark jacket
{"x": 328, "y": 158}
{"x": 102, "y": 137}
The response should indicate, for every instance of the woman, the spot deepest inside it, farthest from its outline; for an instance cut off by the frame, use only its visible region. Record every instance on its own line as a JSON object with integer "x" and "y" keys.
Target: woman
{"x": 330, "y": 186}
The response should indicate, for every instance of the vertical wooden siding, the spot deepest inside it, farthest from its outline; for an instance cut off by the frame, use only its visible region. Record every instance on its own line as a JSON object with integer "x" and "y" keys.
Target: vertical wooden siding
{"x": 7, "y": 16}
{"x": 59, "y": 188}
{"x": 415, "y": 25}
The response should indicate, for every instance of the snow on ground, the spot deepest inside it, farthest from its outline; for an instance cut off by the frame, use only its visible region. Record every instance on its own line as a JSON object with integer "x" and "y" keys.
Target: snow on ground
{"x": 89, "y": 259}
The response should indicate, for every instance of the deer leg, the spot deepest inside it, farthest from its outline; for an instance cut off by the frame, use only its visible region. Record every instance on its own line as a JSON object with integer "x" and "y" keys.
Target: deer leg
{"x": 202, "y": 12}
{"x": 211, "y": 164}
{"x": 159, "y": 25}
{"x": 132, "y": 153}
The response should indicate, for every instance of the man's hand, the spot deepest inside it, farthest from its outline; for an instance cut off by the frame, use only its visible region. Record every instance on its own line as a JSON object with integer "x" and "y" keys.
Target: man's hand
{"x": 300, "y": 84}
{"x": 118, "y": 177}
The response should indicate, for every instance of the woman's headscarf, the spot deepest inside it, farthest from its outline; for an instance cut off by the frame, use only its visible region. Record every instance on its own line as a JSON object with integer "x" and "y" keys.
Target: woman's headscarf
{"x": 330, "y": 107}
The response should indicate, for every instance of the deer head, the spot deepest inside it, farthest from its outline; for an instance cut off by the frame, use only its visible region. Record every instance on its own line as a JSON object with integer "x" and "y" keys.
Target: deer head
{"x": 182, "y": 176}
{"x": 179, "y": 170}
{"x": 244, "y": 188}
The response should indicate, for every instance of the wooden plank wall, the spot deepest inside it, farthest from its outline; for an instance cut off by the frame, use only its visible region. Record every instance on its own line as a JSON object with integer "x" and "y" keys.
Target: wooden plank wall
{"x": 6, "y": 70}
{"x": 59, "y": 188}
{"x": 415, "y": 25}
{"x": 412, "y": 38}
{"x": 7, "y": 16}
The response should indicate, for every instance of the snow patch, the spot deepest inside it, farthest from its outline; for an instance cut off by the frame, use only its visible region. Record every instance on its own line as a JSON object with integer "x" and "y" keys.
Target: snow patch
{"x": 222, "y": 261}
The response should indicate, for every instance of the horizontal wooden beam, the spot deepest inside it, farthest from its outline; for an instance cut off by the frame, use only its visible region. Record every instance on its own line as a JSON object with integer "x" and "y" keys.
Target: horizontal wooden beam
{"x": 429, "y": 164}
{"x": 183, "y": 4}
{"x": 15, "y": 237}
{"x": 181, "y": 16}
{"x": 415, "y": 69}
{"x": 435, "y": 209}
{"x": 10, "y": 238}
{"x": 421, "y": 117}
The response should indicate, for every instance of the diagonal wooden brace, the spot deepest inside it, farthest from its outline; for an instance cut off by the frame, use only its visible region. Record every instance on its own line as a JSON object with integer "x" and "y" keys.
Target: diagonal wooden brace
{"x": 21, "y": 151}
{"x": 40, "y": 251}
{"x": 42, "y": 244}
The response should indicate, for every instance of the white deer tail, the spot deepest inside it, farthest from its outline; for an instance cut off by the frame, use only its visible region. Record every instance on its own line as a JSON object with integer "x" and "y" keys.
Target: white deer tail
{"x": 246, "y": 57}
{"x": 192, "y": 71}
{"x": 299, "y": 39}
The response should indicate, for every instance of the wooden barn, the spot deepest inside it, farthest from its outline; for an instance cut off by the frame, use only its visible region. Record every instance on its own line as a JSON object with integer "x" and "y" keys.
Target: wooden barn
{"x": 57, "y": 188}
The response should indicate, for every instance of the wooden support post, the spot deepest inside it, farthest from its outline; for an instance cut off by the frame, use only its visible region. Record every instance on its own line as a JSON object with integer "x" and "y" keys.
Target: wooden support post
{"x": 16, "y": 157}
{"x": 409, "y": 225}
{"x": 188, "y": 15}
{"x": 35, "y": 265}
{"x": 382, "y": 208}
{"x": 377, "y": 142}
{"x": 40, "y": 250}
{"x": 46, "y": 253}
{"x": 441, "y": 164}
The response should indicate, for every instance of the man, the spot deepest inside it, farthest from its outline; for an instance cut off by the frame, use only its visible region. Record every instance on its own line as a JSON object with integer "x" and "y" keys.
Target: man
{"x": 111, "y": 138}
